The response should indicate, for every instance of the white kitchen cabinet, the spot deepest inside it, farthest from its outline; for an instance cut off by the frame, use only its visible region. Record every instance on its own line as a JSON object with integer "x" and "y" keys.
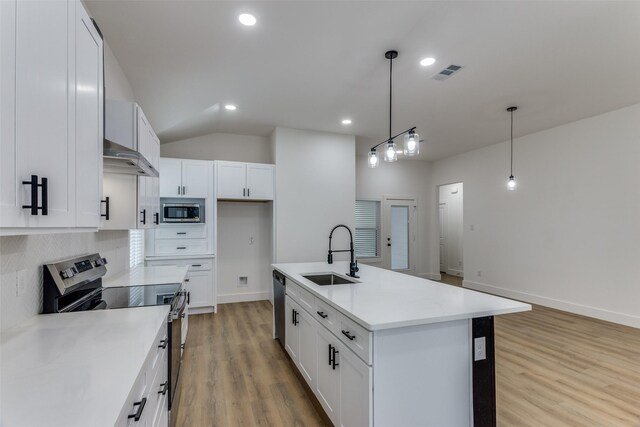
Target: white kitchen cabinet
{"x": 355, "y": 386}
{"x": 307, "y": 355}
{"x": 292, "y": 332}
{"x": 199, "y": 282}
{"x": 134, "y": 201}
{"x": 245, "y": 181}
{"x": 59, "y": 86}
{"x": 185, "y": 178}
{"x": 327, "y": 389}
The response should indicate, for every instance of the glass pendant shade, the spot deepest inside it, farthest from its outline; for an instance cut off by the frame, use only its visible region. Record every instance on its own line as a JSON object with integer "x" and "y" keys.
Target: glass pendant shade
{"x": 511, "y": 185}
{"x": 373, "y": 159}
{"x": 411, "y": 144}
{"x": 390, "y": 154}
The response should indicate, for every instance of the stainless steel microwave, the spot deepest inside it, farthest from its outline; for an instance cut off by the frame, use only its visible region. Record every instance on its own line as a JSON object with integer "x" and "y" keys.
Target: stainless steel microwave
{"x": 182, "y": 212}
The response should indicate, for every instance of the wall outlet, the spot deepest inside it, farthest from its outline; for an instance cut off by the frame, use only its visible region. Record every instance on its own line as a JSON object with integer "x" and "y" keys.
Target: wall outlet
{"x": 251, "y": 240}
{"x": 20, "y": 282}
{"x": 243, "y": 281}
{"x": 479, "y": 349}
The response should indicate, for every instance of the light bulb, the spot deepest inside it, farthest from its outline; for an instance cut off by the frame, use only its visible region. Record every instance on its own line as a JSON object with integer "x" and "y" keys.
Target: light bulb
{"x": 511, "y": 185}
{"x": 390, "y": 154}
{"x": 411, "y": 144}
{"x": 373, "y": 159}
{"x": 247, "y": 19}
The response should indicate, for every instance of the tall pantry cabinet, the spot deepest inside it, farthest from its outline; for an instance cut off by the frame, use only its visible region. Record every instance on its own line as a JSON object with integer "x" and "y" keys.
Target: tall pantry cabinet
{"x": 51, "y": 116}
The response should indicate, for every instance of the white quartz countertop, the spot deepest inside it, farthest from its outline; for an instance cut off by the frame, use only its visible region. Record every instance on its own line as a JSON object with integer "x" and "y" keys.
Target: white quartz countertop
{"x": 74, "y": 369}
{"x": 386, "y": 299}
{"x": 141, "y": 276}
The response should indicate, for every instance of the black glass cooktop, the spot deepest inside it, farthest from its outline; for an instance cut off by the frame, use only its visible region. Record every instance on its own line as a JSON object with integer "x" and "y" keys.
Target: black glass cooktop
{"x": 138, "y": 296}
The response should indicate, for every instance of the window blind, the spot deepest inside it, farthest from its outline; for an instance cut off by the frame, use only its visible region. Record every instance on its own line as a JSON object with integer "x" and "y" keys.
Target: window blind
{"x": 136, "y": 247}
{"x": 367, "y": 240}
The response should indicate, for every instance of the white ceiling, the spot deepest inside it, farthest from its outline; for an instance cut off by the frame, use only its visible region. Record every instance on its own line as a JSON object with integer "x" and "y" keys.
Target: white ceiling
{"x": 309, "y": 64}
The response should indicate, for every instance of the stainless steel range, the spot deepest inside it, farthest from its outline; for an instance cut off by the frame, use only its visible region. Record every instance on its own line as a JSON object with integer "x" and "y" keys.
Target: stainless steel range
{"x": 76, "y": 285}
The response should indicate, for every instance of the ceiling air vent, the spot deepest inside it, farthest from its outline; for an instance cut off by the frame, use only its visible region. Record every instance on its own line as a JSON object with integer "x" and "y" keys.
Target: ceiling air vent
{"x": 447, "y": 72}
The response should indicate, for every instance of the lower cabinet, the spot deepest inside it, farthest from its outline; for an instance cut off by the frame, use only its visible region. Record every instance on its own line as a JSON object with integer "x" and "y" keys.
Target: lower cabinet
{"x": 340, "y": 380}
{"x": 147, "y": 404}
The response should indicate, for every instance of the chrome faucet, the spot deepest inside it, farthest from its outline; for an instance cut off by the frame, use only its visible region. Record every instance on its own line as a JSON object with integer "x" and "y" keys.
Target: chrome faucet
{"x": 353, "y": 265}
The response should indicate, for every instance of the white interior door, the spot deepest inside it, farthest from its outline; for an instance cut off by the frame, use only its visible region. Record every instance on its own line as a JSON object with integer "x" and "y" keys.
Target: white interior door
{"x": 450, "y": 198}
{"x": 399, "y": 232}
{"x": 442, "y": 221}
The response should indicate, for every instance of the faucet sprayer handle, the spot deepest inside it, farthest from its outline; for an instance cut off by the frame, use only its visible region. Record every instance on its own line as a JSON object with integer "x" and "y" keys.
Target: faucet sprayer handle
{"x": 330, "y": 258}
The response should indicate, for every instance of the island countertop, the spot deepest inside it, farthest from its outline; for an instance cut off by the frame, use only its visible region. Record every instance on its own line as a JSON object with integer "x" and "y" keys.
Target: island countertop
{"x": 384, "y": 299}
{"x": 142, "y": 276}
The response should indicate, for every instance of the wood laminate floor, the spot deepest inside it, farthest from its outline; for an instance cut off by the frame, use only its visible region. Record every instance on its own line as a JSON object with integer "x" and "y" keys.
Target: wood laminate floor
{"x": 552, "y": 369}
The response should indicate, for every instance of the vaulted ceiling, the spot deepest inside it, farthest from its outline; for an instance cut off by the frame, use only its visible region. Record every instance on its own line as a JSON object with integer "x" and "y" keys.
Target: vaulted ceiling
{"x": 309, "y": 64}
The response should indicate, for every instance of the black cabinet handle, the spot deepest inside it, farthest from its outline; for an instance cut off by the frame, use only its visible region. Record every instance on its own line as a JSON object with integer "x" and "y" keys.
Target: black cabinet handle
{"x": 334, "y": 360}
{"x": 163, "y": 343}
{"x": 157, "y": 218}
{"x": 248, "y": 192}
{"x": 188, "y": 297}
{"x": 244, "y": 192}
{"x": 348, "y": 335}
{"x": 181, "y": 232}
{"x": 322, "y": 314}
{"x": 106, "y": 208}
{"x": 165, "y": 387}
{"x": 184, "y": 190}
{"x": 181, "y": 247}
{"x": 196, "y": 265}
{"x": 33, "y": 182}
{"x": 186, "y": 280}
{"x": 183, "y": 315}
{"x": 144, "y": 216}
{"x": 330, "y": 354}
{"x": 297, "y": 321}
{"x": 140, "y": 405}
{"x": 178, "y": 190}
{"x": 182, "y": 346}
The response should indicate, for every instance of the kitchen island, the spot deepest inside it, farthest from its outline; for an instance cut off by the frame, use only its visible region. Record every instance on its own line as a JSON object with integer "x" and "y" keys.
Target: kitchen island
{"x": 391, "y": 349}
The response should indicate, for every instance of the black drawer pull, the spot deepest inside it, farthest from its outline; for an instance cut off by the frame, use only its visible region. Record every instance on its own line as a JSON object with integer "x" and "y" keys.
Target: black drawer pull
{"x": 181, "y": 247}
{"x": 144, "y": 216}
{"x": 182, "y": 232}
{"x": 157, "y": 218}
{"x": 140, "y": 405}
{"x": 33, "y": 182}
{"x": 322, "y": 314}
{"x": 163, "y": 343}
{"x": 106, "y": 209}
{"x": 165, "y": 387}
{"x": 188, "y": 297}
{"x": 348, "y": 335}
{"x": 196, "y": 265}
{"x": 334, "y": 360}
{"x": 330, "y": 354}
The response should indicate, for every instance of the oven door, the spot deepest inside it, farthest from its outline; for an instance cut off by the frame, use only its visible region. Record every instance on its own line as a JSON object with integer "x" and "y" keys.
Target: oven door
{"x": 181, "y": 212}
{"x": 175, "y": 357}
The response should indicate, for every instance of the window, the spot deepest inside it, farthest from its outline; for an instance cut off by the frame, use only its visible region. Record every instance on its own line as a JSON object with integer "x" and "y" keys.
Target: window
{"x": 136, "y": 247}
{"x": 367, "y": 240}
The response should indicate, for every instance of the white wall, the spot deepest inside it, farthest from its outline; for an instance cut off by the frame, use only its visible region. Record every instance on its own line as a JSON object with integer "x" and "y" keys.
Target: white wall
{"x": 315, "y": 190}
{"x": 451, "y": 201}
{"x": 568, "y": 236}
{"x": 221, "y": 146}
{"x": 27, "y": 254}
{"x": 238, "y": 222}
{"x": 401, "y": 178}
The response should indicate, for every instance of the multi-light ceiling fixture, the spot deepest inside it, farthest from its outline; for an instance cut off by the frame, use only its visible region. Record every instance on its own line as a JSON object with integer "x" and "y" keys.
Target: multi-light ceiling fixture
{"x": 511, "y": 184}
{"x": 411, "y": 138}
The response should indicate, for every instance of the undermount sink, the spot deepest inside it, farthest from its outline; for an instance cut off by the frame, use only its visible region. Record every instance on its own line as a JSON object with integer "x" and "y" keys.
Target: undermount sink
{"x": 327, "y": 279}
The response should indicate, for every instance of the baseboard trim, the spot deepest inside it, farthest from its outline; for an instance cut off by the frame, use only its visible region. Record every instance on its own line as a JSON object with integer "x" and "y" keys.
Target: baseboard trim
{"x": 201, "y": 310}
{"x": 431, "y": 276}
{"x": 584, "y": 310}
{"x": 244, "y": 297}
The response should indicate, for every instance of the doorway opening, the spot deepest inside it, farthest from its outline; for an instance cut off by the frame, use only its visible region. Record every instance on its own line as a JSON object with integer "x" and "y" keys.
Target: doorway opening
{"x": 399, "y": 231}
{"x": 451, "y": 226}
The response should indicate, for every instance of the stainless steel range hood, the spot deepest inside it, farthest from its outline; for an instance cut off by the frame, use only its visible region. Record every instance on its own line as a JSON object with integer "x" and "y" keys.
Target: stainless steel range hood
{"x": 123, "y": 160}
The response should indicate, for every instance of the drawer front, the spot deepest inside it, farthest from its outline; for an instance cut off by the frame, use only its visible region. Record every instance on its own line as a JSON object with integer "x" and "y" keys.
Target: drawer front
{"x": 307, "y": 300}
{"x": 357, "y": 338}
{"x": 159, "y": 350}
{"x": 193, "y": 264}
{"x": 293, "y": 290}
{"x": 181, "y": 232}
{"x": 327, "y": 316}
{"x": 181, "y": 247}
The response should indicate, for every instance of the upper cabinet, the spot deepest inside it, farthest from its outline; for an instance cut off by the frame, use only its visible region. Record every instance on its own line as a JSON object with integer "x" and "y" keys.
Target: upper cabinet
{"x": 131, "y": 201}
{"x": 245, "y": 181}
{"x": 185, "y": 178}
{"x": 51, "y": 116}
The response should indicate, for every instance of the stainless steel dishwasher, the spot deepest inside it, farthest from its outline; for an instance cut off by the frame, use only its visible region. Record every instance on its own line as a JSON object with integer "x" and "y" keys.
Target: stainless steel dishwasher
{"x": 279, "y": 286}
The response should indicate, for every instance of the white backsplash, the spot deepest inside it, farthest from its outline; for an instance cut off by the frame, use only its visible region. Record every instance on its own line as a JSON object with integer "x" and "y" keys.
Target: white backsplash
{"x": 25, "y": 255}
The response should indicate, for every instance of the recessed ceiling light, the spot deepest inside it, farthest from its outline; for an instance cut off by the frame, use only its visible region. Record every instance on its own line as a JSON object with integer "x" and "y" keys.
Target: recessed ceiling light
{"x": 230, "y": 107}
{"x": 428, "y": 61}
{"x": 247, "y": 19}
{"x": 346, "y": 121}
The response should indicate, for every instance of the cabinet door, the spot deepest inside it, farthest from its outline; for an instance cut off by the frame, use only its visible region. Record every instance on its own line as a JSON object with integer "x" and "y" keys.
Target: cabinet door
{"x": 327, "y": 389}
{"x": 170, "y": 177}
{"x": 355, "y": 390}
{"x": 88, "y": 120}
{"x": 195, "y": 178}
{"x": 144, "y": 217}
{"x": 307, "y": 355}
{"x": 200, "y": 286}
{"x": 122, "y": 191}
{"x": 232, "y": 178}
{"x": 291, "y": 332}
{"x": 154, "y": 183}
{"x": 42, "y": 142}
{"x": 260, "y": 181}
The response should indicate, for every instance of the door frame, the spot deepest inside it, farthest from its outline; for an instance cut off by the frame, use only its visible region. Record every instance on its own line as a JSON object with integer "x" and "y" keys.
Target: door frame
{"x": 413, "y": 231}
{"x": 438, "y": 225}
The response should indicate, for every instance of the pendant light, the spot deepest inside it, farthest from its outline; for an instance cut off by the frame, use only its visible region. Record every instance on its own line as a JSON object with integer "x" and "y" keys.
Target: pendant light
{"x": 411, "y": 138}
{"x": 511, "y": 184}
